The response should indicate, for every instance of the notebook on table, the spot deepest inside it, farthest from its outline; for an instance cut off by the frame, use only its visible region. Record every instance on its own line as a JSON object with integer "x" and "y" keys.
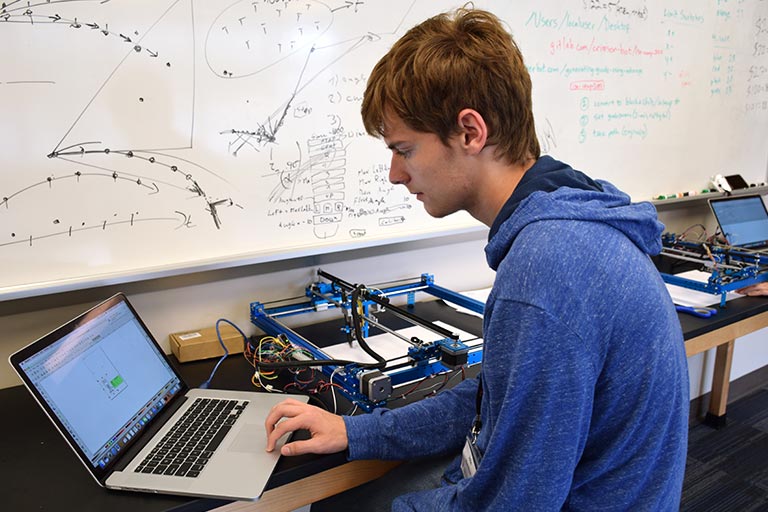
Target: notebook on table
{"x": 113, "y": 394}
{"x": 743, "y": 220}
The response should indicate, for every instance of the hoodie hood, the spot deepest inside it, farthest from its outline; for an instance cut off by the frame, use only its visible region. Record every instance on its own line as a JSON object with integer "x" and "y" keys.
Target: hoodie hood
{"x": 558, "y": 199}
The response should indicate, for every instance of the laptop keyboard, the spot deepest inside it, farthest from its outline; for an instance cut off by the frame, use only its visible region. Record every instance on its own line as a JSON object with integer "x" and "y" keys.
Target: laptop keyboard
{"x": 191, "y": 442}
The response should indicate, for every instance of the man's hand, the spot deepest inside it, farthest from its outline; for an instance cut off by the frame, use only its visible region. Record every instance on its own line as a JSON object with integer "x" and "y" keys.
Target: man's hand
{"x": 329, "y": 433}
{"x": 755, "y": 290}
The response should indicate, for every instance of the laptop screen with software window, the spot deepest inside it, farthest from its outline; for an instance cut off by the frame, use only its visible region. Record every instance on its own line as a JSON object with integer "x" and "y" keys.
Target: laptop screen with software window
{"x": 104, "y": 381}
{"x": 743, "y": 220}
{"x": 113, "y": 394}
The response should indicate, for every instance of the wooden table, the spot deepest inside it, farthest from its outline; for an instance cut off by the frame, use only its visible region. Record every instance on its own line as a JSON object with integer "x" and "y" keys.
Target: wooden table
{"x": 740, "y": 317}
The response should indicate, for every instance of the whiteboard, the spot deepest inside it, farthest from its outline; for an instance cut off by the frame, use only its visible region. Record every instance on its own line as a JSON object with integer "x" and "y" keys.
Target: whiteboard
{"x": 146, "y": 138}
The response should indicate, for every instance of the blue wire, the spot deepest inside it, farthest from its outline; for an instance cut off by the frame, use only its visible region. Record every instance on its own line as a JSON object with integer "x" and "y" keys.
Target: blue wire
{"x": 207, "y": 383}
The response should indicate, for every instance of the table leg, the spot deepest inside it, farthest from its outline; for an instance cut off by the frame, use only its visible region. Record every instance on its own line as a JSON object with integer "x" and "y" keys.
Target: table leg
{"x": 721, "y": 381}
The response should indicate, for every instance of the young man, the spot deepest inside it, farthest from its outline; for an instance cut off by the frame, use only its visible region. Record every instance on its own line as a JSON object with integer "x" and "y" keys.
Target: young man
{"x": 583, "y": 395}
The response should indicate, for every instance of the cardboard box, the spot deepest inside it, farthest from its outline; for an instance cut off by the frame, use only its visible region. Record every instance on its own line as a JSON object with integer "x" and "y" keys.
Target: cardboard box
{"x": 204, "y": 344}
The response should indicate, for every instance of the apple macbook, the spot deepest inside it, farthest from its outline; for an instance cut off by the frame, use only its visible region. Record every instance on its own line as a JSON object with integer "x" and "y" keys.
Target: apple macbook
{"x": 132, "y": 421}
{"x": 743, "y": 220}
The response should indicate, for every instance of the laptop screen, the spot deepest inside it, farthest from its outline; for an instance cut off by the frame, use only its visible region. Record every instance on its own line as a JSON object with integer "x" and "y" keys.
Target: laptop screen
{"x": 742, "y": 219}
{"x": 102, "y": 377}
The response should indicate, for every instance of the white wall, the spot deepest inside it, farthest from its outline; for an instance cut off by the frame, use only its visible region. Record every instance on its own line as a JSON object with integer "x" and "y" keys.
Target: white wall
{"x": 189, "y": 302}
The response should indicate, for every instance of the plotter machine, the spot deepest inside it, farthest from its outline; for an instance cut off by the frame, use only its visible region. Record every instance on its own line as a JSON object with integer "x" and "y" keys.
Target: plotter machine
{"x": 730, "y": 267}
{"x": 369, "y": 384}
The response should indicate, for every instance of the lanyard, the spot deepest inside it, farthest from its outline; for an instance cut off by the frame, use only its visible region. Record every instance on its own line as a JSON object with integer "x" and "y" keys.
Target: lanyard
{"x": 477, "y": 424}
{"x": 470, "y": 454}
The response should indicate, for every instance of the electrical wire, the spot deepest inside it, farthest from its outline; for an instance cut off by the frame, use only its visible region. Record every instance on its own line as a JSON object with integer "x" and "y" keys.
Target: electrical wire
{"x": 357, "y": 317}
{"x": 702, "y": 236}
{"x": 207, "y": 383}
{"x": 449, "y": 376}
{"x": 333, "y": 391}
{"x": 270, "y": 349}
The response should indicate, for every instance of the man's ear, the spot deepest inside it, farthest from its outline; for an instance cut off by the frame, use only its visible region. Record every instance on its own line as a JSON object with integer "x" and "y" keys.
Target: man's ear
{"x": 473, "y": 130}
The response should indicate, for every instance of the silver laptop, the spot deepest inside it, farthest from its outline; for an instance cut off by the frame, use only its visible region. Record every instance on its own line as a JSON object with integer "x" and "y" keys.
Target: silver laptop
{"x": 743, "y": 220}
{"x": 113, "y": 394}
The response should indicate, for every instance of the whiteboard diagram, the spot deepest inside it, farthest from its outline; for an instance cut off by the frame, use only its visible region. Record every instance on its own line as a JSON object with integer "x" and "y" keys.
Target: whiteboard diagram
{"x": 163, "y": 133}
{"x": 144, "y": 137}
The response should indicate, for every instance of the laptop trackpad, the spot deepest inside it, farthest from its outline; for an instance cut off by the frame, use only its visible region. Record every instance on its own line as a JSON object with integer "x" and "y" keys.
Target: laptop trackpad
{"x": 251, "y": 438}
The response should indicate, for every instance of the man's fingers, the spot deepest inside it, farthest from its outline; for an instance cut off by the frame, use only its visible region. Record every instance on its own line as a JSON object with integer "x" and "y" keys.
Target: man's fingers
{"x": 328, "y": 431}
{"x": 298, "y": 448}
{"x": 288, "y": 408}
{"x": 280, "y": 429}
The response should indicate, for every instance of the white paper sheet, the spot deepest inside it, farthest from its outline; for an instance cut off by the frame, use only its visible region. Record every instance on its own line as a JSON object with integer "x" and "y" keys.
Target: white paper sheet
{"x": 687, "y": 297}
{"x": 390, "y": 346}
{"x": 481, "y": 295}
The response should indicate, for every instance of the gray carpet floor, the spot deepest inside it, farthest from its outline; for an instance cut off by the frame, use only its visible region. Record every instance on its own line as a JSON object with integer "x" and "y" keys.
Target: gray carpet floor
{"x": 727, "y": 469}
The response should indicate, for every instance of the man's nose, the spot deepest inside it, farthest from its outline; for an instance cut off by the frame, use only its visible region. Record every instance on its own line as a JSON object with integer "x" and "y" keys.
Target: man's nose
{"x": 397, "y": 174}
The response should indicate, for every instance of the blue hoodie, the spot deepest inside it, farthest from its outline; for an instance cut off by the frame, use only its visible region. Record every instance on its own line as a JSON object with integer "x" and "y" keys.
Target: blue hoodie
{"x": 585, "y": 381}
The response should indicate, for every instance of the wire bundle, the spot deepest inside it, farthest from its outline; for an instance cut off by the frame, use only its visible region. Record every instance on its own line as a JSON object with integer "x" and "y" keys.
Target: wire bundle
{"x": 305, "y": 379}
{"x": 431, "y": 390}
{"x": 271, "y": 349}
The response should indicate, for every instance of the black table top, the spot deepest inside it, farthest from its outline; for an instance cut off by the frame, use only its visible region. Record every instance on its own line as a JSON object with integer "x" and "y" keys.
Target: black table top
{"x": 734, "y": 311}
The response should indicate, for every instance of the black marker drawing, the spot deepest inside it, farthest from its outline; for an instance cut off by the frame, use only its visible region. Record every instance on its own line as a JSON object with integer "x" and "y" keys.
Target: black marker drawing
{"x": 248, "y": 38}
{"x": 181, "y": 220}
{"x": 327, "y": 167}
{"x": 78, "y": 152}
{"x": 241, "y": 115}
{"x": 26, "y": 15}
